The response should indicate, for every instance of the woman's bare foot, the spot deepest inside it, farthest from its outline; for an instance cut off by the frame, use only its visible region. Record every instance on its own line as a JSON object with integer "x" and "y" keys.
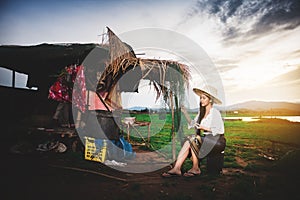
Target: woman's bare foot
{"x": 172, "y": 173}
{"x": 192, "y": 172}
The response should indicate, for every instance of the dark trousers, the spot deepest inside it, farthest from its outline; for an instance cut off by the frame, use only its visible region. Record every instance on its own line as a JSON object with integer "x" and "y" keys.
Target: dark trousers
{"x": 213, "y": 152}
{"x": 63, "y": 113}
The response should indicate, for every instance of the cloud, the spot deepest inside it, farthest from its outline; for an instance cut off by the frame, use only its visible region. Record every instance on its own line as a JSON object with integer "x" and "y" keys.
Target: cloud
{"x": 250, "y": 19}
{"x": 295, "y": 54}
{"x": 281, "y": 88}
{"x": 226, "y": 68}
{"x": 225, "y": 65}
{"x": 284, "y": 13}
{"x": 288, "y": 79}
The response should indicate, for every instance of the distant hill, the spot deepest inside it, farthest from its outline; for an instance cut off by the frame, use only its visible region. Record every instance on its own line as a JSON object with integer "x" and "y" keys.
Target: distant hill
{"x": 137, "y": 108}
{"x": 248, "y": 105}
{"x": 262, "y": 105}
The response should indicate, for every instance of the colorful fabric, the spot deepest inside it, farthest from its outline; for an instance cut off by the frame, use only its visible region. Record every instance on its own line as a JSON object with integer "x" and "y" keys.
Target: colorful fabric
{"x": 60, "y": 90}
{"x": 195, "y": 143}
{"x": 63, "y": 88}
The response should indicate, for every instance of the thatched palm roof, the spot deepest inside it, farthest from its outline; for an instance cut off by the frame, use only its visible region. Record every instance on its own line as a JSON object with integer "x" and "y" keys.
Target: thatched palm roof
{"x": 125, "y": 67}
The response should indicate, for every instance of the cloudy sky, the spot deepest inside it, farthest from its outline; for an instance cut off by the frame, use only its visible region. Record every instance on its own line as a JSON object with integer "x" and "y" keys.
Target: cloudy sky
{"x": 254, "y": 45}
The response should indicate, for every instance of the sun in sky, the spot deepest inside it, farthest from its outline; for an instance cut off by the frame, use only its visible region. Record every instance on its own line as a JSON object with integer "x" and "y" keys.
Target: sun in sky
{"x": 253, "y": 44}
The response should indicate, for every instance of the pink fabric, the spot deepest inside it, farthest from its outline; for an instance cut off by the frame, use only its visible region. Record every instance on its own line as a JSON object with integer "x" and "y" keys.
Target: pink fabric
{"x": 79, "y": 91}
{"x": 95, "y": 103}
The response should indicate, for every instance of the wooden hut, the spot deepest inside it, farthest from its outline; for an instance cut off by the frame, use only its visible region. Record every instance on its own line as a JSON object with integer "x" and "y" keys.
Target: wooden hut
{"x": 124, "y": 70}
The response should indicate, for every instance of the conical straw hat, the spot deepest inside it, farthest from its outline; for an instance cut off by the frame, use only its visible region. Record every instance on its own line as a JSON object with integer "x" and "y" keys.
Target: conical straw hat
{"x": 210, "y": 91}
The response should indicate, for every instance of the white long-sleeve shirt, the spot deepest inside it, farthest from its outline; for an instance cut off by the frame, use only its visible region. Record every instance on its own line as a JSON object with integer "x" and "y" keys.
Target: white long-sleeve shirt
{"x": 212, "y": 121}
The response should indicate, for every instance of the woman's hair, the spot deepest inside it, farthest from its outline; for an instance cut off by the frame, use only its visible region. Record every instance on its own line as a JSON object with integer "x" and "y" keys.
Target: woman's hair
{"x": 202, "y": 111}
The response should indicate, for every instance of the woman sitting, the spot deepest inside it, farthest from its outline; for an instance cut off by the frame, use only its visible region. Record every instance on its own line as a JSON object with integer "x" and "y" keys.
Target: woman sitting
{"x": 210, "y": 122}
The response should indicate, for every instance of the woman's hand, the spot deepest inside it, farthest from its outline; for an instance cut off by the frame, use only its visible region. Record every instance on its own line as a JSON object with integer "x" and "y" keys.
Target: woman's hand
{"x": 197, "y": 126}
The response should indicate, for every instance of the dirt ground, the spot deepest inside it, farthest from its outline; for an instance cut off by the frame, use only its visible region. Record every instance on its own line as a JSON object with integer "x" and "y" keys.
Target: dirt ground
{"x": 50, "y": 175}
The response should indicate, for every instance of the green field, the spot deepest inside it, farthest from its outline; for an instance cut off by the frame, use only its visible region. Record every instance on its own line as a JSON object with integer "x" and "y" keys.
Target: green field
{"x": 261, "y": 160}
{"x": 251, "y": 141}
{"x": 262, "y": 156}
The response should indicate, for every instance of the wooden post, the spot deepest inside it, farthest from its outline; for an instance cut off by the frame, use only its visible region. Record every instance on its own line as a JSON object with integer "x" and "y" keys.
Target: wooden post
{"x": 13, "y": 84}
{"x": 173, "y": 132}
{"x": 149, "y": 132}
{"x": 128, "y": 132}
{"x": 78, "y": 119}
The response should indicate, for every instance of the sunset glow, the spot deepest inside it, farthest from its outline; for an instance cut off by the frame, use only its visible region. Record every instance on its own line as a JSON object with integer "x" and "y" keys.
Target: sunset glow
{"x": 253, "y": 44}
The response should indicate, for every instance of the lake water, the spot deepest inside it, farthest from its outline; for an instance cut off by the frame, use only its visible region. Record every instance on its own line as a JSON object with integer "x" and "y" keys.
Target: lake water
{"x": 252, "y": 119}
